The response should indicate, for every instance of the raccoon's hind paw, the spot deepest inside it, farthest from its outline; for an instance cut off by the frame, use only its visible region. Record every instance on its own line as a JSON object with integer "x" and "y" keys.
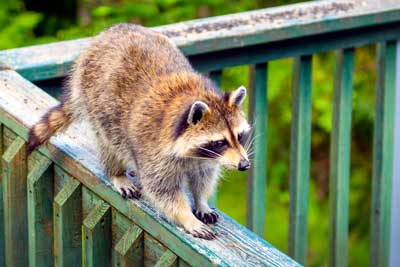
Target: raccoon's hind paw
{"x": 209, "y": 217}
{"x": 125, "y": 187}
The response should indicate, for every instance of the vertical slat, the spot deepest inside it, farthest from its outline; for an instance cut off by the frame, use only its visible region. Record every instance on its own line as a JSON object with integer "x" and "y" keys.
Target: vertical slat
{"x": 300, "y": 158}
{"x": 153, "y": 250}
{"x": 124, "y": 250}
{"x": 67, "y": 225}
{"x": 167, "y": 259}
{"x": 14, "y": 197}
{"x": 40, "y": 213}
{"x": 127, "y": 251}
{"x": 340, "y": 157}
{"x": 2, "y": 237}
{"x": 256, "y": 193}
{"x": 97, "y": 236}
{"x": 395, "y": 214}
{"x": 383, "y": 154}
{"x": 216, "y": 76}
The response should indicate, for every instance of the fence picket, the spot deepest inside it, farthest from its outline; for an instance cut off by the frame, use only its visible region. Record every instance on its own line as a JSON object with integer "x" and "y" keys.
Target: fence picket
{"x": 126, "y": 247}
{"x": 40, "y": 213}
{"x": 97, "y": 236}
{"x": 300, "y": 158}
{"x": 383, "y": 154}
{"x": 167, "y": 259}
{"x": 14, "y": 197}
{"x": 340, "y": 157}
{"x": 256, "y": 193}
{"x": 67, "y": 224}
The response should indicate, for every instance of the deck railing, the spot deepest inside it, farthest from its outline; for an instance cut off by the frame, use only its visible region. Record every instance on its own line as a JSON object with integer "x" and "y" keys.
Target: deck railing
{"x": 256, "y": 37}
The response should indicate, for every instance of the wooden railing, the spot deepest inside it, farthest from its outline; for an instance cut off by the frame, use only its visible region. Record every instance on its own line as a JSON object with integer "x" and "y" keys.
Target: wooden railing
{"x": 80, "y": 189}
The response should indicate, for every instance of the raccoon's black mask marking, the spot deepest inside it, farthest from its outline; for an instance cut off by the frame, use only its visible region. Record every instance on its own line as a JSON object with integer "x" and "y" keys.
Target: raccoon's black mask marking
{"x": 213, "y": 149}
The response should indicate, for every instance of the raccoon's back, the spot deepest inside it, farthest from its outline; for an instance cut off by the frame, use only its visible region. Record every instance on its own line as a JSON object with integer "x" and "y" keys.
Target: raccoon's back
{"x": 124, "y": 61}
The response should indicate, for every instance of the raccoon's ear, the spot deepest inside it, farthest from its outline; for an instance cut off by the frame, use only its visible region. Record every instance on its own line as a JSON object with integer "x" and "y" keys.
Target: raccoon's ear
{"x": 197, "y": 111}
{"x": 237, "y": 97}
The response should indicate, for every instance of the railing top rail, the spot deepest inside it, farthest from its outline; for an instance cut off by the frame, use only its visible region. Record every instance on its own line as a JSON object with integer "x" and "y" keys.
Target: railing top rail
{"x": 223, "y": 32}
{"x": 22, "y": 104}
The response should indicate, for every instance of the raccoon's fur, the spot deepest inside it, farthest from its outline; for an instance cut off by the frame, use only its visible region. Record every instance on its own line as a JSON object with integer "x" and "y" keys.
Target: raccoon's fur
{"x": 153, "y": 113}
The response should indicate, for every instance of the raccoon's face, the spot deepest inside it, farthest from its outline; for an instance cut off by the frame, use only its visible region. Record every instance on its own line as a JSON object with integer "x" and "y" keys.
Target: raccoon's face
{"x": 216, "y": 129}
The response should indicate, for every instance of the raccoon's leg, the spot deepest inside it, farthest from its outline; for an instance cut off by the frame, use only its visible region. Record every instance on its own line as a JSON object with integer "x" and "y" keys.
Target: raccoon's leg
{"x": 202, "y": 183}
{"x": 174, "y": 203}
{"x": 115, "y": 170}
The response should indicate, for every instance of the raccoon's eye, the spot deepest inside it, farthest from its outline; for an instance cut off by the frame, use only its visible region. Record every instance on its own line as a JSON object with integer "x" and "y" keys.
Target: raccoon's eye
{"x": 213, "y": 149}
{"x": 220, "y": 145}
{"x": 242, "y": 137}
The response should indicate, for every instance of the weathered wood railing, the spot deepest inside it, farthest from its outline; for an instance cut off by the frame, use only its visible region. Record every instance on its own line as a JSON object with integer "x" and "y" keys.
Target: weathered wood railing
{"x": 212, "y": 44}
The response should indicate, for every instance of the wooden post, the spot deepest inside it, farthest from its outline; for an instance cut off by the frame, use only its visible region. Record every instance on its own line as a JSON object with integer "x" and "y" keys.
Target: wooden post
{"x": 340, "y": 158}
{"x": 167, "y": 259}
{"x": 97, "y": 236}
{"x": 40, "y": 213}
{"x": 257, "y": 181}
{"x": 14, "y": 198}
{"x": 67, "y": 225}
{"x": 300, "y": 158}
{"x": 128, "y": 244}
{"x": 395, "y": 214}
{"x": 383, "y": 154}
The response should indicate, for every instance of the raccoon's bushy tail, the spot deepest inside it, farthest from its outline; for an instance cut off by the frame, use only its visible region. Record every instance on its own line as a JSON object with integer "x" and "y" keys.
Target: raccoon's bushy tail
{"x": 56, "y": 119}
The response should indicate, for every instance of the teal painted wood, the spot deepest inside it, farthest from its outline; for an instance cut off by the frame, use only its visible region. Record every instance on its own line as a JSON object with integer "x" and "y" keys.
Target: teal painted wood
{"x": 125, "y": 250}
{"x": 14, "y": 197}
{"x": 300, "y": 158}
{"x": 383, "y": 154}
{"x": 167, "y": 259}
{"x": 294, "y": 47}
{"x": 97, "y": 236}
{"x": 216, "y": 76}
{"x": 340, "y": 158}
{"x": 395, "y": 213}
{"x": 230, "y": 32}
{"x": 2, "y": 237}
{"x": 40, "y": 213}
{"x": 67, "y": 225}
{"x": 258, "y": 175}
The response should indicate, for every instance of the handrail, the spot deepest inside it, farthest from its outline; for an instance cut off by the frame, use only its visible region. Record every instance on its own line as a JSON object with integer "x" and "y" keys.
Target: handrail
{"x": 223, "y": 32}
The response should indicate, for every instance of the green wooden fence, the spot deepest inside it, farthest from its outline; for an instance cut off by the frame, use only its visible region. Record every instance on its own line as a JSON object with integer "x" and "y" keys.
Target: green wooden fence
{"x": 69, "y": 196}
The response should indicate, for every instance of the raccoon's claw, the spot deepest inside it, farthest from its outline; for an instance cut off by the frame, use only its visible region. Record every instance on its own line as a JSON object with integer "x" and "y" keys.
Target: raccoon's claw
{"x": 130, "y": 192}
{"x": 204, "y": 232}
{"x": 126, "y": 188}
{"x": 207, "y": 217}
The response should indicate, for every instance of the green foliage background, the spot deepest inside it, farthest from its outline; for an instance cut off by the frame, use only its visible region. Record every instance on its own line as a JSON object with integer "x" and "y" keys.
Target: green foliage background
{"x": 31, "y": 22}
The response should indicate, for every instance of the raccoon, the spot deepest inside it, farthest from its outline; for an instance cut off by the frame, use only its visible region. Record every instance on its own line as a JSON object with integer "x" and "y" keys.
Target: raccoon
{"x": 153, "y": 113}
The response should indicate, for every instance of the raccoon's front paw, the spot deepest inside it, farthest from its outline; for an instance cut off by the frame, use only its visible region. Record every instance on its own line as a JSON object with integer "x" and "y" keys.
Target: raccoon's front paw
{"x": 209, "y": 216}
{"x": 201, "y": 230}
{"x": 125, "y": 187}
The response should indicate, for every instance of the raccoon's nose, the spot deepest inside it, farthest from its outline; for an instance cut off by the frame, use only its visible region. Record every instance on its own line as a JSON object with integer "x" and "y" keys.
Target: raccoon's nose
{"x": 243, "y": 165}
